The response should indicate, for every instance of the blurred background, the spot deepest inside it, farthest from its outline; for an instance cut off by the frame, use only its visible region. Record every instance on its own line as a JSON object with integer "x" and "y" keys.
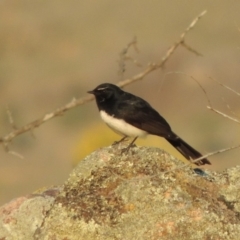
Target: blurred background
{"x": 52, "y": 51}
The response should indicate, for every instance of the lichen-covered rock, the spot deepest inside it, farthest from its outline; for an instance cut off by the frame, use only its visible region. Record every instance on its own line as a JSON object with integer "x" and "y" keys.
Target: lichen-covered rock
{"x": 20, "y": 218}
{"x": 231, "y": 191}
{"x": 145, "y": 194}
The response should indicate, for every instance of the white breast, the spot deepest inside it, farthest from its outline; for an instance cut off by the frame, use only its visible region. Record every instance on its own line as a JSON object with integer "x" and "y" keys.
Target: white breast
{"x": 121, "y": 126}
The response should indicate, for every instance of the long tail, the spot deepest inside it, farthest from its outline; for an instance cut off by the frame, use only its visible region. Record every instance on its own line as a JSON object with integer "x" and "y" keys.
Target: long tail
{"x": 187, "y": 151}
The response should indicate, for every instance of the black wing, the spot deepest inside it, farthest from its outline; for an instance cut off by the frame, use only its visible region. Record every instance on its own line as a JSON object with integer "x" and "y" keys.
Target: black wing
{"x": 139, "y": 113}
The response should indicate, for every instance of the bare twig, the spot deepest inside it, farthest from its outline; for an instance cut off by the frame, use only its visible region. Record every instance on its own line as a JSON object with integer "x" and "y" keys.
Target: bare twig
{"x": 74, "y": 103}
{"x": 58, "y": 112}
{"x": 204, "y": 156}
{"x": 203, "y": 89}
{"x": 169, "y": 53}
{"x": 219, "y": 112}
{"x": 191, "y": 49}
{"x": 124, "y": 56}
{"x": 216, "y": 152}
{"x": 223, "y": 114}
{"x": 210, "y": 104}
{"x": 225, "y": 86}
{"x": 228, "y": 107}
{"x": 10, "y": 117}
{"x": 210, "y": 107}
{"x": 15, "y": 154}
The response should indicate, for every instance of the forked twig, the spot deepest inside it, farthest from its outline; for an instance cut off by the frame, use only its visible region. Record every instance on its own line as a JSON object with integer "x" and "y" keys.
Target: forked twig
{"x": 124, "y": 56}
{"x": 210, "y": 105}
{"x": 58, "y": 112}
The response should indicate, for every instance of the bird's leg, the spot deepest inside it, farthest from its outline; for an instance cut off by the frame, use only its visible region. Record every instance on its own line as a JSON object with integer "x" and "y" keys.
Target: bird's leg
{"x": 125, "y": 150}
{"x": 121, "y": 140}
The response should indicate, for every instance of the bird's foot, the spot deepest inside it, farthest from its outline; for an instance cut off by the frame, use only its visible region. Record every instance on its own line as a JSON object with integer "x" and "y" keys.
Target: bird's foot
{"x": 126, "y": 150}
{"x": 115, "y": 143}
{"x": 121, "y": 140}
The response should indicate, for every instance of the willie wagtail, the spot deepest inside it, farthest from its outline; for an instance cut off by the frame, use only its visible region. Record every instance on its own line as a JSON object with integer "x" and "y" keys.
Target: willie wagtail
{"x": 131, "y": 116}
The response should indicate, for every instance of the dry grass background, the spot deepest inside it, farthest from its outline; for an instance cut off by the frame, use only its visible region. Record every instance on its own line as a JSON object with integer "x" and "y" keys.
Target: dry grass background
{"x": 52, "y": 51}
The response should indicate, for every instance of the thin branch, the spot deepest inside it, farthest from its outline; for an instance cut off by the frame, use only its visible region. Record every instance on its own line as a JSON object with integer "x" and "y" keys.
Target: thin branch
{"x": 216, "y": 152}
{"x": 15, "y": 154}
{"x": 228, "y": 107}
{"x": 210, "y": 104}
{"x": 223, "y": 114}
{"x": 124, "y": 56}
{"x": 205, "y": 156}
{"x": 10, "y": 118}
{"x": 203, "y": 89}
{"x": 58, "y": 112}
{"x": 225, "y": 86}
{"x": 74, "y": 103}
{"x": 191, "y": 49}
{"x": 169, "y": 53}
{"x": 193, "y": 23}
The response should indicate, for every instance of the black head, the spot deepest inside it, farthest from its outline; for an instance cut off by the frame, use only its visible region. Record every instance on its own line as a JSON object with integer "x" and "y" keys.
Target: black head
{"x": 106, "y": 91}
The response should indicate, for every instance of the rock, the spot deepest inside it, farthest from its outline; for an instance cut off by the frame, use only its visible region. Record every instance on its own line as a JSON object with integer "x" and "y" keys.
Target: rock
{"x": 145, "y": 194}
{"x": 20, "y": 218}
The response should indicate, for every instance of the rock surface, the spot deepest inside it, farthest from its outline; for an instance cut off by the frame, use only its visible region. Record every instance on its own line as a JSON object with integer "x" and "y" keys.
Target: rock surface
{"x": 146, "y": 194}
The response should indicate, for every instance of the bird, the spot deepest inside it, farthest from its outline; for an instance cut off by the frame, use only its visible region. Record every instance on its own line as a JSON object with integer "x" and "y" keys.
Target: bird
{"x": 133, "y": 117}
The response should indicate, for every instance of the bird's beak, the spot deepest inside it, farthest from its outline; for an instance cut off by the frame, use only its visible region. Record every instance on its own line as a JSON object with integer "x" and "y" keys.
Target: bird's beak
{"x": 91, "y": 92}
